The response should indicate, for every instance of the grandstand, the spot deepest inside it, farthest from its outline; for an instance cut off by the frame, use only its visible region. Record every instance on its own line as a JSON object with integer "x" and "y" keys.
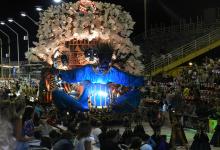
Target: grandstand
{"x": 168, "y": 47}
{"x": 163, "y": 40}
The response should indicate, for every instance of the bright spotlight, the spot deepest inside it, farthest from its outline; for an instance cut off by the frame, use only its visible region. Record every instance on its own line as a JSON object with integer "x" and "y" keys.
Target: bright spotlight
{"x": 57, "y": 1}
{"x": 23, "y": 14}
{"x": 38, "y": 8}
{"x": 10, "y": 20}
{"x": 102, "y": 93}
{"x": 2, "y": 23}
{"x": 190, "y": 63}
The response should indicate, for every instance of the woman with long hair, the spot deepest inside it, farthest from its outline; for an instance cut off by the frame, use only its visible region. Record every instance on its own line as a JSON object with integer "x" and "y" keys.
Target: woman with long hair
{"x": 27, "y": 121}
{"x": 14, "y": 112}
{"x": 7, "y": 141}
{"x": 24, "y": 128}
{"x": 83, "y": 140}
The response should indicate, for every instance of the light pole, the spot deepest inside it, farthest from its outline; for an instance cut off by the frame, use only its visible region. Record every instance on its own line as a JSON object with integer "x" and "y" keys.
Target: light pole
{"x": 12, "y": 20}
{"x": 145, "y": 18}
{"x": 18, "y": 49}
{"x": 9, "y": 49}
{"x": 23, "y": 14}
{"x": 1, "y": 58}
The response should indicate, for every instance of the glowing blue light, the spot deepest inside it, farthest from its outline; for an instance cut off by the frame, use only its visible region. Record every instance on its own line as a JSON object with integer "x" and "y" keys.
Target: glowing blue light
{"x": 99, "y": 95}
{"x": 102, "y": 93}
{"x": 101, "y": 81}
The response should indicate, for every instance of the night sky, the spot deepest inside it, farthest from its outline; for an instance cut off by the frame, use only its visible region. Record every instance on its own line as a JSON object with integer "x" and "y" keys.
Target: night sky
{"x": 158, "y": 12}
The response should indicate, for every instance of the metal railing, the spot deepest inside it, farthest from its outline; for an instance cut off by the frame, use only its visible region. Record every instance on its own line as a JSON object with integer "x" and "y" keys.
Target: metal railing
{"x": 196, "y": 27}
{"x": 25, "y": 70}
{"x": 183, "y": 51}
{"x": 34, "y": 75}
{"x": 179, "y": 28}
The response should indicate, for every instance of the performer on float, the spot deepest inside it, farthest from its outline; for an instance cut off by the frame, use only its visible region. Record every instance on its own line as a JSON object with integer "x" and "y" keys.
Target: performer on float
{"x": 95, "y": 80}
{"x": 81, "y": 25}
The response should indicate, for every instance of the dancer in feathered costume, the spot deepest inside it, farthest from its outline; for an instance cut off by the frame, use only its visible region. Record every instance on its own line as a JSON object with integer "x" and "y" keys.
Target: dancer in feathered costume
{"x": 178, "y": 137}
{"x": 215, "y": 141}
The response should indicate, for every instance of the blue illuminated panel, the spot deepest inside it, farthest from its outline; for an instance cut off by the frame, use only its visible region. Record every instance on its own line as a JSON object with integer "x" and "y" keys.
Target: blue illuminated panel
{"x": 99, "y": 95}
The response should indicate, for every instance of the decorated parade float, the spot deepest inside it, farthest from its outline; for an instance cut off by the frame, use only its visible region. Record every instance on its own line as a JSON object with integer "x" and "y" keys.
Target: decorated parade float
{"x": 91, "y": 61}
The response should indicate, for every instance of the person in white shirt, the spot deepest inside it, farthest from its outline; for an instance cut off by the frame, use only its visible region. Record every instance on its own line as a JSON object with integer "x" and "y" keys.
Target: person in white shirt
{"x": 146, "y": 147}
{"x": 83, "y": 140}
{"x": 7, "y": 141}
{"x": 96, "y": 131}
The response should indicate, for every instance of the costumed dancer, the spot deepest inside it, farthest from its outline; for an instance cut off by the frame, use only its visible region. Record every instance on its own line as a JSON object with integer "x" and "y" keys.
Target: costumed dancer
{"x": 178, "y": 137}
{"x": 156, "y": 121}
{"x": 201, "y": 141}
{"x": 215, "y": 141}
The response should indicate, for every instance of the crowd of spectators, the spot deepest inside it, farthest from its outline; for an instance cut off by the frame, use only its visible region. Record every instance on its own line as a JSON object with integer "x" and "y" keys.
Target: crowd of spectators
{"x": 34, "y": 125}
{"x": 37, "y": 126}
{"x": 196, "y": 89}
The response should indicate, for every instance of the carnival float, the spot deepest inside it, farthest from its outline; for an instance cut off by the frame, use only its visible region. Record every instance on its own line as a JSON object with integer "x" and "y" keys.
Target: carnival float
{"x": 91, "y": 61}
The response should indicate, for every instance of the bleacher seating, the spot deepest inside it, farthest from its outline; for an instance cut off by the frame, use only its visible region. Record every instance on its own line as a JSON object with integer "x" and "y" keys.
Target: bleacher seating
{"x": 161, "y": 41}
